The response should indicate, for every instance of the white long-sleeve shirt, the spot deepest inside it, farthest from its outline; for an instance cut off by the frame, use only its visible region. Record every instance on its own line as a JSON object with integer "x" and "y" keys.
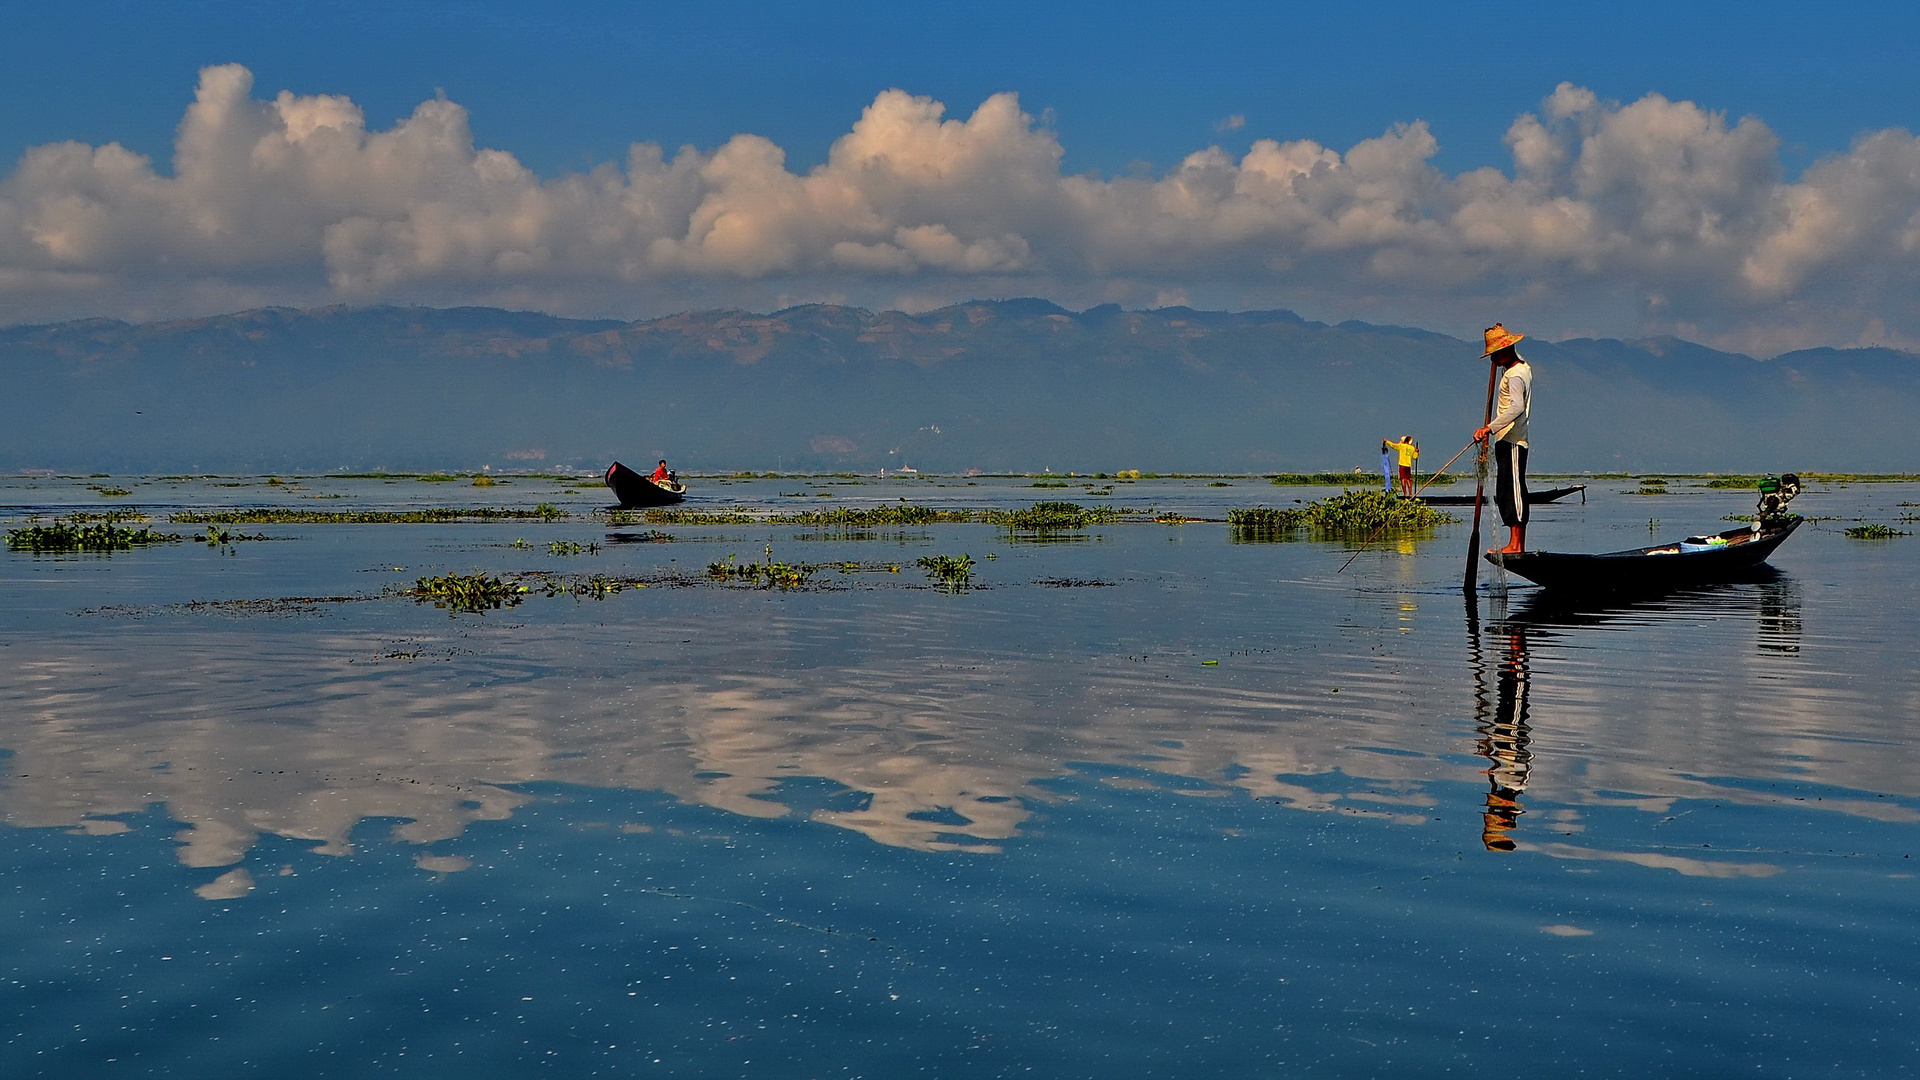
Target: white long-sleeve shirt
{"x": 1516, "y": 404}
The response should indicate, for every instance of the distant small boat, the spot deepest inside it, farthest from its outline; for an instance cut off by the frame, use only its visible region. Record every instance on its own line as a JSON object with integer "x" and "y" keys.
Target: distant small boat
{"x": 634, "y": 490}
{"x": 1697, "y": 560}
{"x": 1533, "y": 497}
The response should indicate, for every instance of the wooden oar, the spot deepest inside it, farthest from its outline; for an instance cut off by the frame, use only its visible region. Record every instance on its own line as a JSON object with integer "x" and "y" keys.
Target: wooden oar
{"x": 1368, "y": 542}
{"x": 1480, "y": 486}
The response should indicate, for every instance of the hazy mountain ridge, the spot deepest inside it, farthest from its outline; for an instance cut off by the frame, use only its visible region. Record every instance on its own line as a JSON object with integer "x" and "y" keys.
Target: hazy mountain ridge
{"x": 999, "y": 385}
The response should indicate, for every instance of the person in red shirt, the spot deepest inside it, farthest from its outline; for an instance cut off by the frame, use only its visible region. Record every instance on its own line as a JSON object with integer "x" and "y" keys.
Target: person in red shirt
{"x": 661, "y": 475}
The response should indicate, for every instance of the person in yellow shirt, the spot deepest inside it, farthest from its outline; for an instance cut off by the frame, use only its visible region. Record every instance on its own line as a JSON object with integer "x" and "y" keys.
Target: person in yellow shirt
{"x": 1409, "y": 452}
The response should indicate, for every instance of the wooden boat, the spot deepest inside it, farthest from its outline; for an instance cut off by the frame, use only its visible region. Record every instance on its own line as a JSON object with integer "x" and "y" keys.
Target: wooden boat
{"x": 1533, "y": 497}
{"x": 634, "y": 490}
{"x": 1696, "y": 560}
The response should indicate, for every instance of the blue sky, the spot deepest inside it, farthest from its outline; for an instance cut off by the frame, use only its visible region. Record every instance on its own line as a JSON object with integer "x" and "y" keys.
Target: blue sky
{"x": 562, "y": 84}
{"x": 1124, "y": 90}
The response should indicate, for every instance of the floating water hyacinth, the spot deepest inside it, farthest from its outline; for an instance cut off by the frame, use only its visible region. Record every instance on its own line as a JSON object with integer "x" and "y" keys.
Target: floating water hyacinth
{"x": 767, "y": 575}
{"x": 1875, "y": 532}
{"x": 951, "y": 571}
{"x": 284, "y": 516}
{"x": 1351, "y": 515}
{"x": 1047, "y": 516}
{"x": 468, "y": 592}
{"x": 75, "y": 534}
{"x": 902, "y": 514}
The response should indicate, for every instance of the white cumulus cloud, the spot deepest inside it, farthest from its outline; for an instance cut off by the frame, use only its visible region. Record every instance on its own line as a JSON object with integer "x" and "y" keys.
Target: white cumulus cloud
{"x": 1653, "y": 214}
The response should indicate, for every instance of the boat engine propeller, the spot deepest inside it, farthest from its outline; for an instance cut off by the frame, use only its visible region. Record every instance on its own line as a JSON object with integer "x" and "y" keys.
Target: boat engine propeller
{"x": 1775, "y": 493}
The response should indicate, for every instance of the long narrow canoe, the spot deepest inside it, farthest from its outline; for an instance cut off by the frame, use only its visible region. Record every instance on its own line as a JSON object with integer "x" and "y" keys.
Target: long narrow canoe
{"x": 634, "y": 490}
{"x": 1694, "y": 561}
{"x": 1533, "y": 497}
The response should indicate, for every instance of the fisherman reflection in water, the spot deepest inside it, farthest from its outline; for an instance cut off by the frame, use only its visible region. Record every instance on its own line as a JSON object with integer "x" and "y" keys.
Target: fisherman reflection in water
{"x": 1504, "y": 743}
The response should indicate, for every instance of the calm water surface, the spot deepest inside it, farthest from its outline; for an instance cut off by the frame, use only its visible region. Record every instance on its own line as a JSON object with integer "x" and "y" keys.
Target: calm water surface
{"x": 1143, "y": 804}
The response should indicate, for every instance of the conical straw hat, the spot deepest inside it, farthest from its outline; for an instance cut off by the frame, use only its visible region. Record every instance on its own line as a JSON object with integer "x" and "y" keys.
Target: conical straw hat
{"x": 1499, "y": 337}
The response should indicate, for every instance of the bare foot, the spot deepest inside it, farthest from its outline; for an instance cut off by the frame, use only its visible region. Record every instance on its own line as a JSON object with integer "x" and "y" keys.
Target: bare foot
{"x": 1512, "y": 549}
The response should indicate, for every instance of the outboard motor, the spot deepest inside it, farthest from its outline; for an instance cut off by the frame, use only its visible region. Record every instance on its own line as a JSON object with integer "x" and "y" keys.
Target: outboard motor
{"x": 1775, "y": 493}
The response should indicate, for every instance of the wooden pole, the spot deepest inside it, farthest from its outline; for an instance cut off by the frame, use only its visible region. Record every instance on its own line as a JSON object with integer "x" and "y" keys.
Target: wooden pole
{"x": 1480, "y": 484}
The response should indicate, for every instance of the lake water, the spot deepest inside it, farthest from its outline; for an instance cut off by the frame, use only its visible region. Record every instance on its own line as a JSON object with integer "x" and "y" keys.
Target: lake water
{"x": 1143, "y": 804}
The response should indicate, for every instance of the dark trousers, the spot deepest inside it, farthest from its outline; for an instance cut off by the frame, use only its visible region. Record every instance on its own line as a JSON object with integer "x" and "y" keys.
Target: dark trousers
{"x": 1510, "y": 493}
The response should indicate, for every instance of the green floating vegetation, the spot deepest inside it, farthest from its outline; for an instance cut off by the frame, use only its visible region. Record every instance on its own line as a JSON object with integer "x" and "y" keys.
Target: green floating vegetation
{"x": 111, "y": 492}
{"x": 1337, "y": 479}
{"x": 1734, "y": 482}
{"x": 216, "y": 536}
{"x": 951, "y": 571}
{"x": 288, "y": 516}
{"x": 1876, "y": 532}
{"x": 1350, "y": 515}
{"x": 79, "y": 535}
{"x": 1049, "y": 484}
{"x": 569, "y": 547}
{"x": 679, "y": 516}
{"x": 1315, "y": 479}
{"x": 902, "y": 514}
{"x": 593, "y": 587}
{"x": 1051, "y": 516}
{"x": 468, "y": 592}
{"x": 768, "y": 575}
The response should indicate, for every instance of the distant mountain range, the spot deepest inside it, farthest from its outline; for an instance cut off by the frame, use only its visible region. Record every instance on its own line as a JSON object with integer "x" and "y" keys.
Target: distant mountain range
{"x": 1008, "y": 385}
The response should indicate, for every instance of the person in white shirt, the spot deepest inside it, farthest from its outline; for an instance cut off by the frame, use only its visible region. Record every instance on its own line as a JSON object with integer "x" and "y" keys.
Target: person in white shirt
{"x": 1509, "y": 432}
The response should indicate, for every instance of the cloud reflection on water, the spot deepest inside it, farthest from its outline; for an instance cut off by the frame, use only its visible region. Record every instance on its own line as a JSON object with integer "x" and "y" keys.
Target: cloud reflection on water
{"x": 1362, "y": 706}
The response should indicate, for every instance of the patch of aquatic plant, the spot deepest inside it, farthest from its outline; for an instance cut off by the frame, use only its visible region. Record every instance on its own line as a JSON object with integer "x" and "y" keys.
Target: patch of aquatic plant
{"x": 1876, "y": 532}
{"x": 71, "y": 535}
{"x": 895, "y": 514}
{"x": 484, "y": 481}
{"x": 1734, "y": 482}
{"x": 521, "y": 543}
{"x": 768, "y": 575}
{"x": 111, "y": 516}
{"x": 1350, "y": 515}
{"x": 110, "y": 492}
{"x": 1127, "y": 474}
{"x": 288, "y": 516}
{"x": 468, "y": 592}
{"x": 1336, "y": 479}
{"x": 569, "y": 547}
{"x": 1318, "y": 479}
{"x": 901, "y": 514}
{"x": 1264, "y": 523}
{"x": 593, "y": 586}
{"x": 679, "y": 516}
{"x": 1050, "y": 516}
{"x": 216, "y": 536}
{"x": 951, "y": 571}
{"x": 651, "y": 536}
{"x": 1048, "y": 484}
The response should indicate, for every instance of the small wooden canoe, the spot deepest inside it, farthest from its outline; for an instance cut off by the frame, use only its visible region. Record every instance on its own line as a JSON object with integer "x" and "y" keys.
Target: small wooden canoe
{"x": 1697, "y": 560}
{"x": 1533, "y": 497}
{"x": 634, "y": 490}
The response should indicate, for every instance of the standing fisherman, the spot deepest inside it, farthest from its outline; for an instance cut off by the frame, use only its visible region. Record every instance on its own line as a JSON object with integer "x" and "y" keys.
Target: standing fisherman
{"x": 1509, "y": 431}
{"x": 1409, "y": 452}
